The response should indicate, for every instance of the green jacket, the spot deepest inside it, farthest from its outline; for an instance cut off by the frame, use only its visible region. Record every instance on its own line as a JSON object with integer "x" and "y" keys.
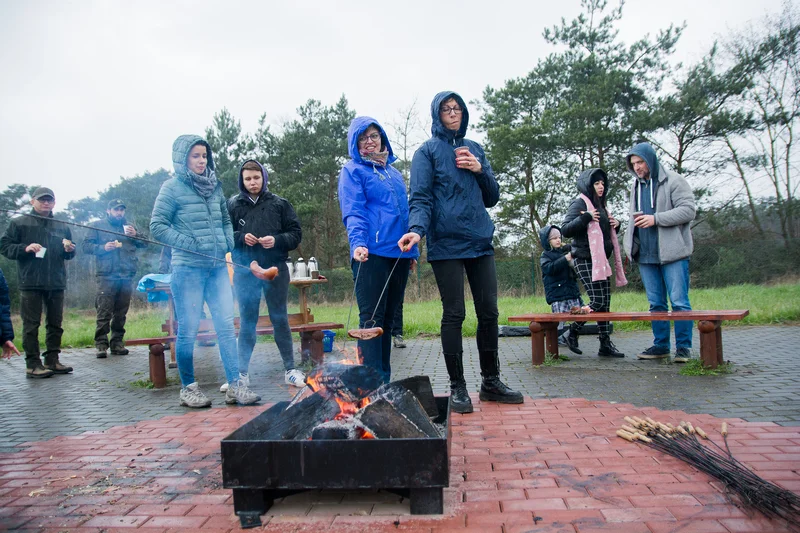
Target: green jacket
{"x": 119, "y": 263}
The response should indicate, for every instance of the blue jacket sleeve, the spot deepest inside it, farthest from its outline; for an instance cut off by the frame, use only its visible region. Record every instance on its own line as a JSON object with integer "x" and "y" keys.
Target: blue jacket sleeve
{"x": 490, "y": 190}
{"x": 227, "y": 226}
{"x": 420, "y": 203}
{"x": 161, "y": 222}
{"x": 6, "y": 327}
{"x": 353, "y": 203}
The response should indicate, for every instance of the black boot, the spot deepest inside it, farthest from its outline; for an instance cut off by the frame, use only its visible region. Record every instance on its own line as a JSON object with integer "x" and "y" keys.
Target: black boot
{"x": 459, "y": 399}
{"x": 572, "y": 340}
{"x": 492, "y": 389}
{"x": 607, "y": 348}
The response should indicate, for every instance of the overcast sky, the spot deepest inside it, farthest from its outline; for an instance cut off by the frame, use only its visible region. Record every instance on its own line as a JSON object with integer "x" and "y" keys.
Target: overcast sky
{"x": 94, "y": 90}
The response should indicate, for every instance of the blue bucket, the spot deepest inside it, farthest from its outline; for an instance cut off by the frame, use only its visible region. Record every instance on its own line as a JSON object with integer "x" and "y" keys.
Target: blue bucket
{"x": 327, "y": 340}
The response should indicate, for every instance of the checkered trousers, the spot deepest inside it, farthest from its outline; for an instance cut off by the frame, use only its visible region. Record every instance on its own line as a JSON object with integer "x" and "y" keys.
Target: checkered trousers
{"x": 599, "y": 292}
{"x": 564, "y": 306}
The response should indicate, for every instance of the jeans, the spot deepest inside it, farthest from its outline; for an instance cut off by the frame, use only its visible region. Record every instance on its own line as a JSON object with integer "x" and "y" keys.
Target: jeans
{"x": 670, "y": 280}
{"x": 397, "y": 327}
{"x": 375, "y": 310}
{"x": 276, "y": 292}
{"x": 30, "y": 309}
{"x": 482, "y": 277}
{"x": 112, "y": 303}
{"x": 190, "y": 287}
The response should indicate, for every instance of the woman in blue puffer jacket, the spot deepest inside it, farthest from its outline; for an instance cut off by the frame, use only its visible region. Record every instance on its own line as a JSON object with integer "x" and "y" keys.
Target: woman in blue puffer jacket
{"x": 452, "y": 185}
{"x": 374, "y": 203}
{"x": 191, "y": 215}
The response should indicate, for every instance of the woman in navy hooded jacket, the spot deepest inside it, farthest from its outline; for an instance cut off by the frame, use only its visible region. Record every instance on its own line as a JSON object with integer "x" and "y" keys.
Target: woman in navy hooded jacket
{"x": 374, "y": 203}
{"x": 452, "y": 185}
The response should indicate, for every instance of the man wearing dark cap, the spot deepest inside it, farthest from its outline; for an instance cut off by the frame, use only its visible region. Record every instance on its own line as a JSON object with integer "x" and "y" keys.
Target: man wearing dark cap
{"x": 116, "y": 264}
{"x": 40, "y": 245}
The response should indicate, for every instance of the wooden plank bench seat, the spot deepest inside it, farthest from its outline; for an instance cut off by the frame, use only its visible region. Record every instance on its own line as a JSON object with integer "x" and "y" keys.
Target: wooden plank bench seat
{"x": 310, "y": 341}
{"x": 544, "y": 328}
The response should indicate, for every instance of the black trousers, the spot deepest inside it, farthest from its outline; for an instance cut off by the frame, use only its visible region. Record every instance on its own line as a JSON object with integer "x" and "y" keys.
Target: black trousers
{"x": 482, "y": 277}
{"x": 31, "y": 304}
{"x": 112, "y": 304}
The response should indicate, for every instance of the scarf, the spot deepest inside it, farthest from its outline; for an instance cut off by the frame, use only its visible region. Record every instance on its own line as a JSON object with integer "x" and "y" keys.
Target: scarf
{"x": 203, "y": 184}
{"x": 378, "y": 158}
{"x": 601, "y": 269}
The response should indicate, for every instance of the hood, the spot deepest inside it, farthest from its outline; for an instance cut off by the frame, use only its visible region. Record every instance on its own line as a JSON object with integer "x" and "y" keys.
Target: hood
{"x": 263, "y": 173}
{"x": 646, "y": 152}
{"x": 437, "y": 128}
{"x": 180, "y": 152}
{"x": 357, "y": 127}
{"x": 585, "y": 181}
{"x": 544, "y": 233}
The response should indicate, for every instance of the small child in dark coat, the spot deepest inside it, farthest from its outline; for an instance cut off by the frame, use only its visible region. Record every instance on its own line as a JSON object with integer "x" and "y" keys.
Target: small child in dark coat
{"x": 560, "y": 284}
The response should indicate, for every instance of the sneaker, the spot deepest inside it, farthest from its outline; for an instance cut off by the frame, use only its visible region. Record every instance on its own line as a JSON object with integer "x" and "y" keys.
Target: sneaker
{"x": 101, "y": 354}
{"x": 296, "y": 378}
{"x": 38, "y": 372}
{"x": 206, "y": 343}
{"x": 120, "y": 351}
{"x": 562, "y": 340}
{"x": 58, "y": 368}
{"x": 682, "y": 355}
{"x": 398, "y": 341}
{"x": 240, "y": 393}
{"x": 192, "y": 396}
{"x": 654, "y": 352}
{"x": 224, "y": 388}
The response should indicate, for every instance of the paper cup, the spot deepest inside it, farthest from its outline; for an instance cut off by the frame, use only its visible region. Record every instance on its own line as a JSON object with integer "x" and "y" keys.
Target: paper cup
{"x": 40, "y": 253}
{"x": 127, "y": 229}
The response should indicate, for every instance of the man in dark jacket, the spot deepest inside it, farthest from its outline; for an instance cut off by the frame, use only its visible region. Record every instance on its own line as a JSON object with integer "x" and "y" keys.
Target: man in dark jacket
{"x": 115, "y": 265}
{"x": 40, "y": 245}
{"x": 266, "y": 228}
{"x": 452, "y": 185}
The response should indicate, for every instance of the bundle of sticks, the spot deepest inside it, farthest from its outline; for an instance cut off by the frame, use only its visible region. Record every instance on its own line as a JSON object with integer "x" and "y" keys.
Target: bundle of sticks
{"x": 682, "y": 443}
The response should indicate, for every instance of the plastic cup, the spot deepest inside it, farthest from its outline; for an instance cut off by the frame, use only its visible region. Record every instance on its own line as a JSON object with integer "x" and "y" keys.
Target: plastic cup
{"x": 41, "y": 252}
{"x": 127, "y": 229}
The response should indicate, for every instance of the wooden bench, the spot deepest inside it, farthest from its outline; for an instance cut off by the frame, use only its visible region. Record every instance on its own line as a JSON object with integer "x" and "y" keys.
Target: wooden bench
{"x": 311, "y": 345}
{"x": 544, "y": 328}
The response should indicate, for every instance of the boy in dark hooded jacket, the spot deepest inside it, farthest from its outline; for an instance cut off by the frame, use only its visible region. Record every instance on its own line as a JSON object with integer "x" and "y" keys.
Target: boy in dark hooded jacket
{"x": 265, "y": 229}
{"x": 560, "y": 285}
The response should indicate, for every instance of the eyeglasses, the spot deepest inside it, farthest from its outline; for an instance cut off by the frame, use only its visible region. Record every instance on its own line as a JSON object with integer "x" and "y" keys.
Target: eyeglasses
{"x": 448, "y": 110}
{"x": 46, "y": 200}
{"x": 374, "y": 137}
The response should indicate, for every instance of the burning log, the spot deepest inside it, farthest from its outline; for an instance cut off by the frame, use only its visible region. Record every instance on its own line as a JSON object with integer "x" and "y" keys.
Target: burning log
{"x": 335, "y": 430}
{"x": 299, "y": 421}
{"x": 349, "y": 383}
{"x": 421, "y": 387}
{"x": 395, "y": 413}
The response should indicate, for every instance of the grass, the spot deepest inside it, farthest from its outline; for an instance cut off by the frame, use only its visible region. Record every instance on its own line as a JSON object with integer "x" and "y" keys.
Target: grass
{"x": 147, "y": 384}
{"x": 776, "y": 304}
{"x": 695, "y": 367}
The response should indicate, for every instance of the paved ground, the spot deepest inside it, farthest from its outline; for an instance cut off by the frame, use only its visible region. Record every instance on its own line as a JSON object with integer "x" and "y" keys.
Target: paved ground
{"x": 547, "y": 466}
{"x": 764, "y": 387}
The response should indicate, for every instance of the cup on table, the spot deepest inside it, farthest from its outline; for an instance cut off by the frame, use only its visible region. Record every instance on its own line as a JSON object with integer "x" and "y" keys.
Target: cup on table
{"x": 41, "y": 252}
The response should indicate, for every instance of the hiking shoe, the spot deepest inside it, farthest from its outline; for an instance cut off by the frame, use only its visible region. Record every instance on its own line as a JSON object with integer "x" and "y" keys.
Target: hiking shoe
{"x": 192, "y": 396}
{"x": 571, "y": 338}
{"x": 654, "y": 352}
{"x": 101, "y": 354}
{"x": 398, "y": 341}
{"x": 120, "y": 351}
{"x": 38, "y": 372}
{"x": 494, "y": 390}
{"x": 682, "y": 355}
{"x": 240, "y": 393}
{"x": 58, "y": 368}
{"x": 607, "y": 348}
{"x": 295, "y": 377}
{"x": 224, "y": 387}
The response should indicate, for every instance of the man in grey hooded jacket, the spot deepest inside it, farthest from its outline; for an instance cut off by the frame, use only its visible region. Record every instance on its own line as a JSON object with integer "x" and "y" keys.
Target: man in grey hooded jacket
{"x": 659, "y": 238}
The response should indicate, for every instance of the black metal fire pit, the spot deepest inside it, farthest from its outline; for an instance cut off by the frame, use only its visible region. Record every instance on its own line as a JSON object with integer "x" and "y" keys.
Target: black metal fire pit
{"x": 259, "y": 471}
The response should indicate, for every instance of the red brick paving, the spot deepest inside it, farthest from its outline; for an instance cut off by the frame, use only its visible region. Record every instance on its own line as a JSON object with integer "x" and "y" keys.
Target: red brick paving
{"x": 547, "y": 466}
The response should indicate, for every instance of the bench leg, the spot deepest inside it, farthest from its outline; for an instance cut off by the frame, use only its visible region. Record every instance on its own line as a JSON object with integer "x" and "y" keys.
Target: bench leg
{"x": 158, "y": 375}
{"x": 551, "y": 338}
{"x": 311, "y": 346}
{"x": 710, "y": 342}
{"x": 537, "y": 343}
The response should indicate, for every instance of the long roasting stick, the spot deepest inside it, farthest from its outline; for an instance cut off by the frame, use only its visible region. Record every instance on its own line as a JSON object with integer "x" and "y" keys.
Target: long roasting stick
{"x": 255, "y": 268}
